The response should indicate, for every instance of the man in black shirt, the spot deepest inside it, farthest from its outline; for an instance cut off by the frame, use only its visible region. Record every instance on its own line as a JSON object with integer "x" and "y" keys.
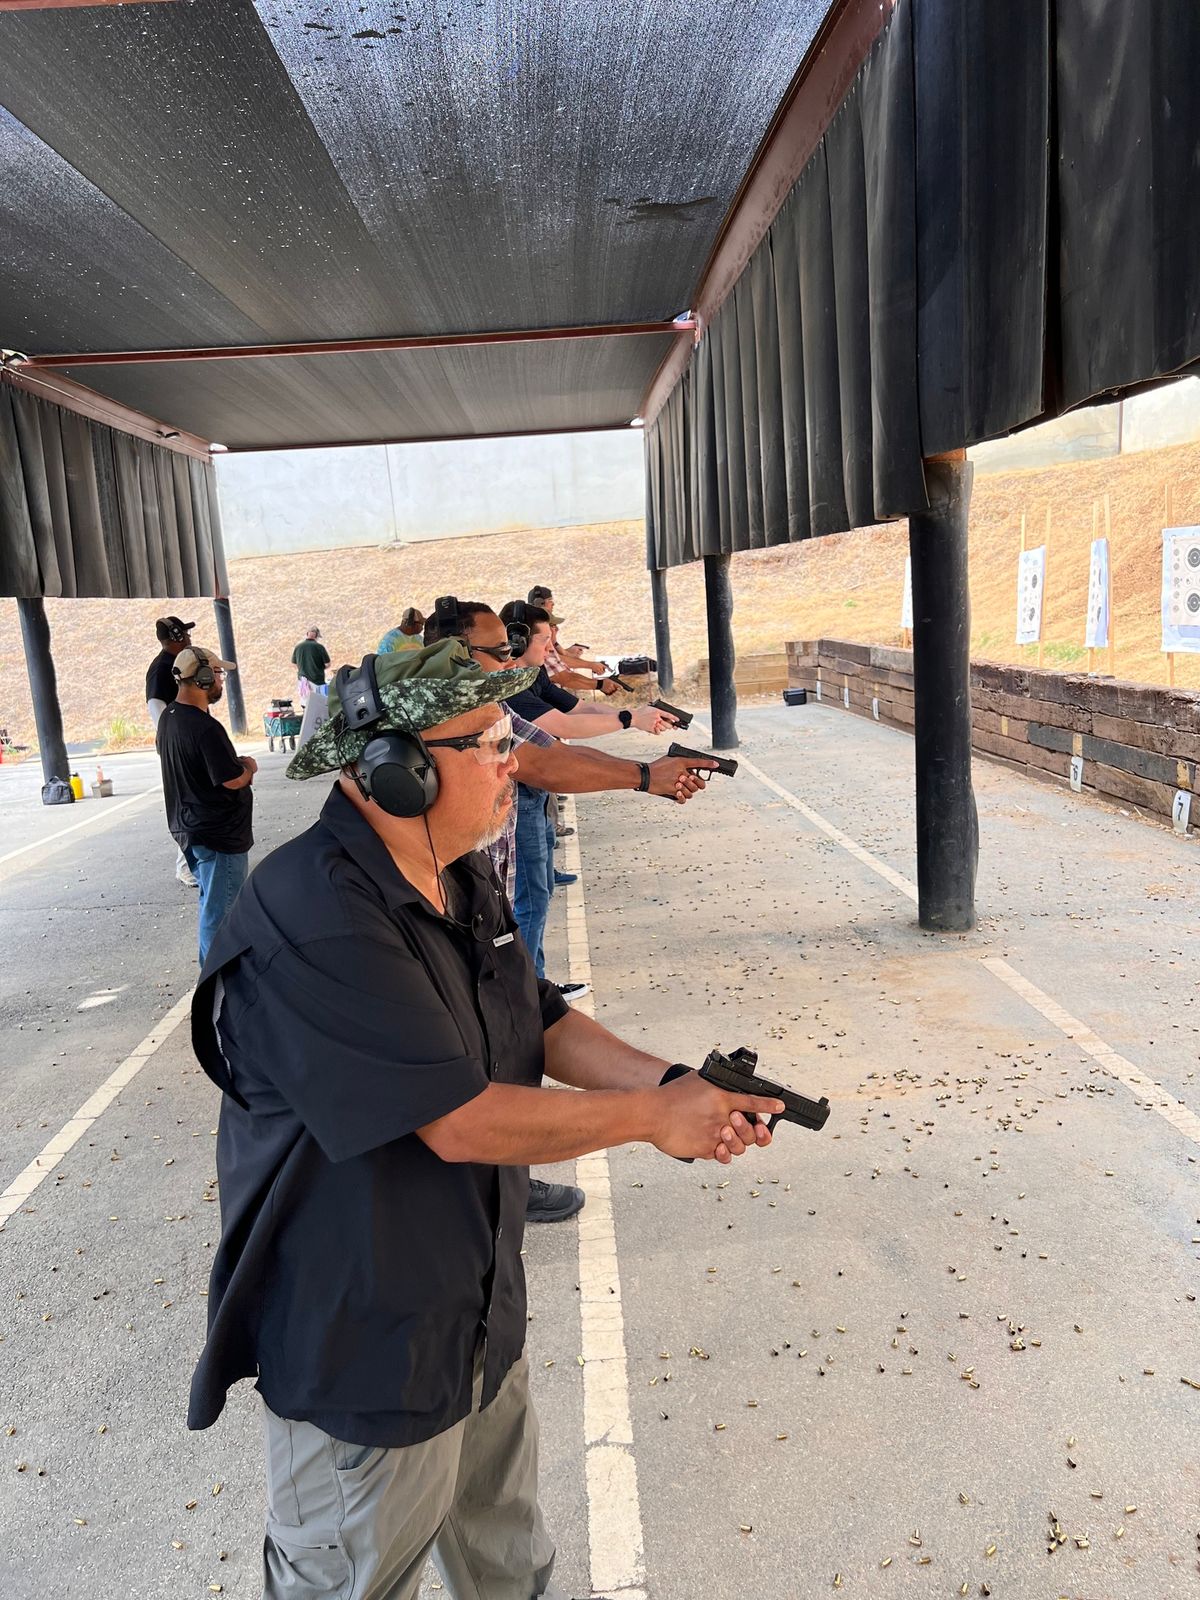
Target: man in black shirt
{"x": 380, "y": 1039}
{"x": 206, "y": 787}
{"x": 174, "y": 636}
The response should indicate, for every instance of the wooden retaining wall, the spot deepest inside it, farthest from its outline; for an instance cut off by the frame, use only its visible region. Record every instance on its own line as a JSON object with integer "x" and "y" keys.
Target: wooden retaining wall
{"x": 1139, "y": 746}
{"x": 765, "y": 672}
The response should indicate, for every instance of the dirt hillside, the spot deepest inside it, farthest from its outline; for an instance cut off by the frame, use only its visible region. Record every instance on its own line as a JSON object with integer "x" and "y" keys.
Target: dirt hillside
{"x": 847, "y": 587}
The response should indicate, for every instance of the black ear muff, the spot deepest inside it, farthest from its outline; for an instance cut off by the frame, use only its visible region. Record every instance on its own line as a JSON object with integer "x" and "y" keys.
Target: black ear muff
{"x": 204, "y": 677}
{"x": 446, "y": 615}
{"x": 397, "y": 772}
{"x": 518, "y": 626}
{"x": 395, "y": 769}
{"x": 358, "y": 694}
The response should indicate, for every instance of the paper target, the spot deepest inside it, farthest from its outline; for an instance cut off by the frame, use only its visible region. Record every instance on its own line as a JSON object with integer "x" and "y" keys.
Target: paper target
{"x": 1181, "y": 590}
{"x": 1099, "y": 597}
{"x": 1031, "y": 580}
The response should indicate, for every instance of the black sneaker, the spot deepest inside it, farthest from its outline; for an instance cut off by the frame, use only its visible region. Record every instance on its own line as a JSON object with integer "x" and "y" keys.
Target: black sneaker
{"x": 563, "y": 831}
{"x": 573, "y": 991}
{"x": 552, "y": 1202}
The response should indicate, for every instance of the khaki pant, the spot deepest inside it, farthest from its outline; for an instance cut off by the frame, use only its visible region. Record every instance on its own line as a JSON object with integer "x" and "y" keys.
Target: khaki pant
{"x": 352, "y": 1522}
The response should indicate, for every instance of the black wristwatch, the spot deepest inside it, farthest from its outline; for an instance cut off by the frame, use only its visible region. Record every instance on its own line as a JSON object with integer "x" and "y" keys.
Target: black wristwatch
{"x": 625, "y": 718}
{"x": 644, "y": 780}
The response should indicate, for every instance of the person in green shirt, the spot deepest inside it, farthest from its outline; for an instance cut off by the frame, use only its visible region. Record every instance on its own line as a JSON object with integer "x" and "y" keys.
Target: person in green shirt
{"x": 407, "y": 636}
{"x": 310, "y": 658}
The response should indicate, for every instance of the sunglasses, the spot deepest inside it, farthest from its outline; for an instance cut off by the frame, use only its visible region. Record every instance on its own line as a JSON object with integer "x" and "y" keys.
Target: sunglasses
{"x": 498, "y": 652}
{"x": 489, "y": 747}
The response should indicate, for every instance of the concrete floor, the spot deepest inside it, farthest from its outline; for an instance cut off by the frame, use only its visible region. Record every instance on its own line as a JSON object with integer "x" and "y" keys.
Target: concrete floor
{"x": 979, "y": 1169}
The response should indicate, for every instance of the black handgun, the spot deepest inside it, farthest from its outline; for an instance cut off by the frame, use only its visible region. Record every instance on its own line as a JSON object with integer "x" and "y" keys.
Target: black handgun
{"x": 724, "y": 764}
{"x": 735, "y": 1072}
{"x": 620, "y": 682}
{"x": 683, "y": 718}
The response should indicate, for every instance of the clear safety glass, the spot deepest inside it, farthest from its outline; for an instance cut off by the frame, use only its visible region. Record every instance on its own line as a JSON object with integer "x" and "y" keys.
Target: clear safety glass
{"x": 489, "y": 747}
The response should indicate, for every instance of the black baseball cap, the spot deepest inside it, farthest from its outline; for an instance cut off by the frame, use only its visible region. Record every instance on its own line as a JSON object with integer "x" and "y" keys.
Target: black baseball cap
{"x": 171, "y": 630}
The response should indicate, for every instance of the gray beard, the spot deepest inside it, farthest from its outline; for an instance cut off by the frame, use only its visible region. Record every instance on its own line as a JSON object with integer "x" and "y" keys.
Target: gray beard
{"x": 499, "y": 822}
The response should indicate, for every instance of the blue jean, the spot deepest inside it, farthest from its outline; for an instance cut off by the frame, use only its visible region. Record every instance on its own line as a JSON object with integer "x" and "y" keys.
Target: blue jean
{"x": 220, "y": 877}
{"x": 535, "y": 872}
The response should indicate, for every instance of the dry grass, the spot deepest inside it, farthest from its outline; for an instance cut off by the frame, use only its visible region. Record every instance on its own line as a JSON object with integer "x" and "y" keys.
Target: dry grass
{"x": 845, "y": 587}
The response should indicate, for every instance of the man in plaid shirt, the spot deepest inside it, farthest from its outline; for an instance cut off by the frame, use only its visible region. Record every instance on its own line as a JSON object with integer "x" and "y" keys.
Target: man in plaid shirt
{"x": 546, "y": 763}
{"x": 503, "y": 850}
{"x": 569, "y": 668}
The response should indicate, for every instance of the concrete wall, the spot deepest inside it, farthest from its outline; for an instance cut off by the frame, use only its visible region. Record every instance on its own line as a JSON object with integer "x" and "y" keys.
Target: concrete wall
{"x": 1161, "y": 417}
{"x": 277, "y": 501}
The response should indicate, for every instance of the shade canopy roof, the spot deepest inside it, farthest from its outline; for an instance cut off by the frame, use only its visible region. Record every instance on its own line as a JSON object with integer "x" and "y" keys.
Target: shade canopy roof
{"x": 196, "y": 173}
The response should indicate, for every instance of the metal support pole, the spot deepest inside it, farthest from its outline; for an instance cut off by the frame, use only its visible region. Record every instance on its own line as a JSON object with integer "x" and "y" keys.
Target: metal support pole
{"x": 43, "y": 687}
{"x": 947, "y": 822}
{"x": 233, "y": 683}
{"x": 662, "y": 629}
{"x": 722, "y": 695}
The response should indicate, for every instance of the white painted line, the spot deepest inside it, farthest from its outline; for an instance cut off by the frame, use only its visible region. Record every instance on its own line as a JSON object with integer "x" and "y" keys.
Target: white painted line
{"x": 610, "y": 1470}
{"x": 823, "y": 825}
{"x": 1182, "y": 1119}
{"x": 40, "y": 1168}
{"x": 103, "y": 809}
{"x": 101, "y": 997}
{"x": 1147, "y": 1093}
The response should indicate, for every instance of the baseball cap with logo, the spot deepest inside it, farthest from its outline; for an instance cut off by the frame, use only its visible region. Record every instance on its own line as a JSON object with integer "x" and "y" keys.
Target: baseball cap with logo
{"x": 171, "y": 630}
{"x": 188, "y": 662}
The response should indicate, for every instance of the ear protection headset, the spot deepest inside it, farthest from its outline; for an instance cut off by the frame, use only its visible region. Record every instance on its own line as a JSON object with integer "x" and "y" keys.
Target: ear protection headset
{"x": 519, "y": 626}
{"x": 204, "y": 677}
{"x": 395, "y": 769}
{"x": 445, "y": 612}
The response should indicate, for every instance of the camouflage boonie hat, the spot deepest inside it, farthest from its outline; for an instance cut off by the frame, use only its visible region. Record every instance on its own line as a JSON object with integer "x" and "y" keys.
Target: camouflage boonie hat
{"x": 418, "y": 689}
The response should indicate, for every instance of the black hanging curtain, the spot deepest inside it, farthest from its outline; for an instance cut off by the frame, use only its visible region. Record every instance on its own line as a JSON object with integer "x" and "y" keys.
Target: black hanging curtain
{"x": 87, "y": 511}
{"x": 1001, "y": 222}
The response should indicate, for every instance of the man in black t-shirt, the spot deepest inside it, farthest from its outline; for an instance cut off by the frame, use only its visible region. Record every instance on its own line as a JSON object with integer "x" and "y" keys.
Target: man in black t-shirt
{"x": 206, "y": 787}
{"x": 161, "y": 685}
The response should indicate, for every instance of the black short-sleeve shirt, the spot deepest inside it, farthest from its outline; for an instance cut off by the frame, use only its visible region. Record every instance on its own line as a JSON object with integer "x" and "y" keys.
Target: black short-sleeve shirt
{"x": 543, "y": 695}
{"x": 161, "y": 682}
{"x": 339, "y": 1012}
{"x": 198, "y": 759}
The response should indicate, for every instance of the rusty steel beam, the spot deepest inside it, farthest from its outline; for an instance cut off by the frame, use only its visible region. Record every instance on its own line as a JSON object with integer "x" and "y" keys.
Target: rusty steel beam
{"x": 72, "y": 5}
{"x": 96, "y": 407}
{"x": 345, "y": 347}
{"x": 428, "y": 438}
{"x": 806, "y": 110}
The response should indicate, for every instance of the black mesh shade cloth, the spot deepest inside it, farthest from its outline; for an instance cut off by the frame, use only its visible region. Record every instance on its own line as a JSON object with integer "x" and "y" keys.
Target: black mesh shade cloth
{"x": 281, "y": 172}
{"x": 1001, "y": 222}
{"x": 413, "y": 394}
{"x": 87, "y": 511}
